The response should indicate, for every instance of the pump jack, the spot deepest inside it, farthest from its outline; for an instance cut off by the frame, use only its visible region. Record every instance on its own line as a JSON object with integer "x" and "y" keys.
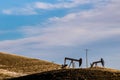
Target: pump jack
{"x": 72, "y": 62}
{"x": 96, "y": 62}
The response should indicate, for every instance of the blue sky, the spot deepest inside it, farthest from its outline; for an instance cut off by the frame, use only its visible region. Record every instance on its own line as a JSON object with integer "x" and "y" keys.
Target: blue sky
{"x": 54, "y": 29}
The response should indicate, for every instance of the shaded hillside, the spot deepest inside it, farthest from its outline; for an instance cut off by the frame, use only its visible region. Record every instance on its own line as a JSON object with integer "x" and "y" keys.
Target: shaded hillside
{"x": 75, "y": 74}
{"x": 18, "y": 65}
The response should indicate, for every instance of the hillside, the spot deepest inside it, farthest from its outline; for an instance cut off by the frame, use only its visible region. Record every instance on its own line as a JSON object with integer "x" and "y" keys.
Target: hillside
{"x": 75, "y": 74}
{"x": 13, "y": 65}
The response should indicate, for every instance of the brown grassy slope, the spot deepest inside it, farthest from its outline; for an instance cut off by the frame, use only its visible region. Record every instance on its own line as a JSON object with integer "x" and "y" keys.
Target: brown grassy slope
{"x": 75, "y": 74}
{"x": 24, "y": 65}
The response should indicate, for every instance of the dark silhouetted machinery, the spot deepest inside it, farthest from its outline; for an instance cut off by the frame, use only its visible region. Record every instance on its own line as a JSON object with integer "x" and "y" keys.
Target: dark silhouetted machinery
{"x": 72, "y": 62}
{"x": 96, "y": 62}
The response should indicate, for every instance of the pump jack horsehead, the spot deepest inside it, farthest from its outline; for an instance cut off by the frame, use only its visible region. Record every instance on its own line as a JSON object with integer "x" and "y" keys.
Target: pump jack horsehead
{"x": 96, "y": 62}
{"x": 71, "y": 62}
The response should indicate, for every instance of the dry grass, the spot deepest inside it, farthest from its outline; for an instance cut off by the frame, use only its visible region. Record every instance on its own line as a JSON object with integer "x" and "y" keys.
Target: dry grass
{"x": 20, "y": 64}
{"x": 13, "y": 66}
{"x": 104, "y": 69}
{"x": 74, "y": 74}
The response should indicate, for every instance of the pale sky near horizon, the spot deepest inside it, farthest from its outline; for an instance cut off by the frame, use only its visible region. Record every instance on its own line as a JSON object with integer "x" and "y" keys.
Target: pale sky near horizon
{"x": 54, "y": 29}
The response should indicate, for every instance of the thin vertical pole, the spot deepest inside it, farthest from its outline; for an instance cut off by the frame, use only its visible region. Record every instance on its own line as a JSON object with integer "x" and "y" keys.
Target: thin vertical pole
{"x": 86, "y": 58}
